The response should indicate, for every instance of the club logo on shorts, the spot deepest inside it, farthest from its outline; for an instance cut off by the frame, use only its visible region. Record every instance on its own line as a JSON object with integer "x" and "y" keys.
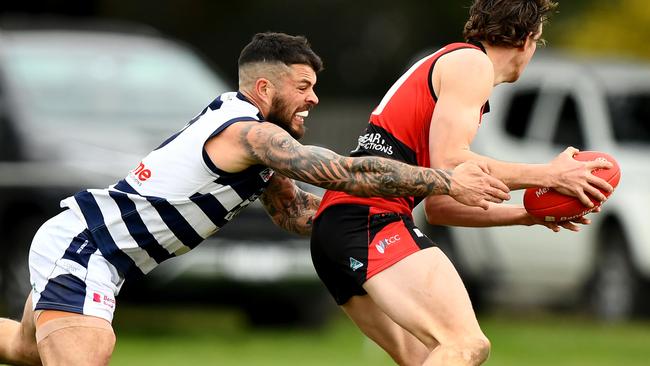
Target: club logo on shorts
{"x": 355, "y": 264}
{"x": 385, "y": 243}
{"x": 418, "y": 232}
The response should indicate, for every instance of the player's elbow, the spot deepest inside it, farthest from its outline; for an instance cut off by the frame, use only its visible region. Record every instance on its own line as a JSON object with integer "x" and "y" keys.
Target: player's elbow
{"x": 432, "y": 211}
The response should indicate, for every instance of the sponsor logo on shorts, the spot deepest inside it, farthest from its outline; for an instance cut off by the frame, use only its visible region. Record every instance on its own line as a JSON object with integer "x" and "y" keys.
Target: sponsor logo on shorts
{"x": 355, "y": 264}
{"x": 104, "y": 299}
{"x": 108, "y": 301}
{"x": 385, "y": 243}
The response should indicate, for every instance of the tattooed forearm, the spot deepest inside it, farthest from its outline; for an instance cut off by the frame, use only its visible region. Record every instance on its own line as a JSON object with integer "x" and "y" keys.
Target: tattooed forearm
{"x": 290, "y": 207}
{"x": 364, "y": 176}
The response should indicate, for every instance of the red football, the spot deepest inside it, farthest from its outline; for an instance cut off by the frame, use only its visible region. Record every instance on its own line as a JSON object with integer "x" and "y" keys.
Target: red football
{"x": 550, "y": 205}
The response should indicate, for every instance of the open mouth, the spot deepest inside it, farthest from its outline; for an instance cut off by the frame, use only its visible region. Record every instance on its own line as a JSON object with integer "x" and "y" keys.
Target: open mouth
{"x": 301, "y": 115}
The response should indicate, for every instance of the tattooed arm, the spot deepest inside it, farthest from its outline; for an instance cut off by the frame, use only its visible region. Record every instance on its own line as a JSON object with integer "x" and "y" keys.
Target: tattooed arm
{"x": 268, "y": 144}
{"x": 290, "y": 207}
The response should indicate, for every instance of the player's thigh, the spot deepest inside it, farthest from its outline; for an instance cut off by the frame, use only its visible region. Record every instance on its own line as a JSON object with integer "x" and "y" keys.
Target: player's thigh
{"x": 424, "y": 294}
{"x": 73, "y": 339}
{"x": 401, "y": 345}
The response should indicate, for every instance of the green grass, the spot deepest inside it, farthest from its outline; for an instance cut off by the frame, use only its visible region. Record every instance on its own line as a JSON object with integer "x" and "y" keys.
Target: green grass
{"x": 208, "y": 337}
{"x": 566, "y": 341}
{"x": 204, "y": 337}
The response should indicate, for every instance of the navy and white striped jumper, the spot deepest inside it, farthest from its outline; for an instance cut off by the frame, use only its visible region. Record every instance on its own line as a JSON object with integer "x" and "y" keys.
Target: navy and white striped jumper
{"x": 175, "y": 198}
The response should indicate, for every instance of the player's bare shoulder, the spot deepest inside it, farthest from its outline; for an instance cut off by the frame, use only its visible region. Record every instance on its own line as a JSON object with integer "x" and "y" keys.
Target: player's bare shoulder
{"x": 465, "y": 74}
{"x": 463, "y": 66}
{"x": 465, "y": 58}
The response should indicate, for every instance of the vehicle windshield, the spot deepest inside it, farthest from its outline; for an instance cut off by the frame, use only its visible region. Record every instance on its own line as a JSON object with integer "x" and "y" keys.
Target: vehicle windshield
{"x": 65, "y": 83}
{"x": 630, "y": 114}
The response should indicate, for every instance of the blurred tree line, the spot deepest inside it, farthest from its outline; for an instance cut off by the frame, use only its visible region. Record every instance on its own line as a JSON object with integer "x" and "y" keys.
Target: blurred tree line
{"x": 602, "y": 27}
{"x": 365, "y": 44}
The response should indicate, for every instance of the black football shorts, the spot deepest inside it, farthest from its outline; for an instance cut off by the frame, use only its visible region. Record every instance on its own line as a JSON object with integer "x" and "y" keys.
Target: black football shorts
{"x": 352, "y": 243}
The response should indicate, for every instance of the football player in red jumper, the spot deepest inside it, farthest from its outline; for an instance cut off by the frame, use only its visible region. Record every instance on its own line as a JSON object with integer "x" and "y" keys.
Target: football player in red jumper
{"x": 393, "y": 282}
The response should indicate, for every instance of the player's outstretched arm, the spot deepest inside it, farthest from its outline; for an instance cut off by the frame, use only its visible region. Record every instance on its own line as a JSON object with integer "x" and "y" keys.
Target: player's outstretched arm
{"x": 268, "y": 144}
{"x": 441, "y": 210}
{"x": 463, "y": 81}
{"x": 290, "y": 207}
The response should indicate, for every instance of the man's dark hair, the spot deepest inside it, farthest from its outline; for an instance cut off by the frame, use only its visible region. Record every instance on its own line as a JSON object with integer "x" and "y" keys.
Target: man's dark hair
{"x": 280, "y": 47}
{"x": 506, "y": 22}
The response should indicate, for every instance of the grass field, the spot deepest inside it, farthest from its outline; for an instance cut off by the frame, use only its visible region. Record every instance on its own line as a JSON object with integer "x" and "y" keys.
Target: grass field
{"x": 216, "y": 337}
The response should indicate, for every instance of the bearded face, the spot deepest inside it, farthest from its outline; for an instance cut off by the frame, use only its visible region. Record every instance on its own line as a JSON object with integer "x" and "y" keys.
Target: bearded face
{"x": 289, "y": 117}
{"x": 291, "y": 95}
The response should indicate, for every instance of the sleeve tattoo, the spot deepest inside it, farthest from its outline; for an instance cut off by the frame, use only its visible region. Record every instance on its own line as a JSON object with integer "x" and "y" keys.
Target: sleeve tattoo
{"x": 361, "y": 176}
{"x": 290, "y": 207}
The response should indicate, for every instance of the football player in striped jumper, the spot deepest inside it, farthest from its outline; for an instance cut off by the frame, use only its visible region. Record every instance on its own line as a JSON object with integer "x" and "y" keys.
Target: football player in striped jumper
{"x": 241, "y": 147}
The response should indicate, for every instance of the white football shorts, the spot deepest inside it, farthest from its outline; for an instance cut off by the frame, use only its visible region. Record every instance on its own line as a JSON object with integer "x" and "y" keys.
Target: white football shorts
{"x": 68, "y": 272}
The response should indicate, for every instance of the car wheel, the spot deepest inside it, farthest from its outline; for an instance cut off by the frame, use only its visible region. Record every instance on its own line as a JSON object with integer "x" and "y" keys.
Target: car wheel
{"x": 614, "y": 293}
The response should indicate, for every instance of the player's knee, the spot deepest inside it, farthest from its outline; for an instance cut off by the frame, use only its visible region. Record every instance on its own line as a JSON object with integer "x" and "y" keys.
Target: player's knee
{"x": 476, "y": 350}
{"x": 473, "y": 350}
